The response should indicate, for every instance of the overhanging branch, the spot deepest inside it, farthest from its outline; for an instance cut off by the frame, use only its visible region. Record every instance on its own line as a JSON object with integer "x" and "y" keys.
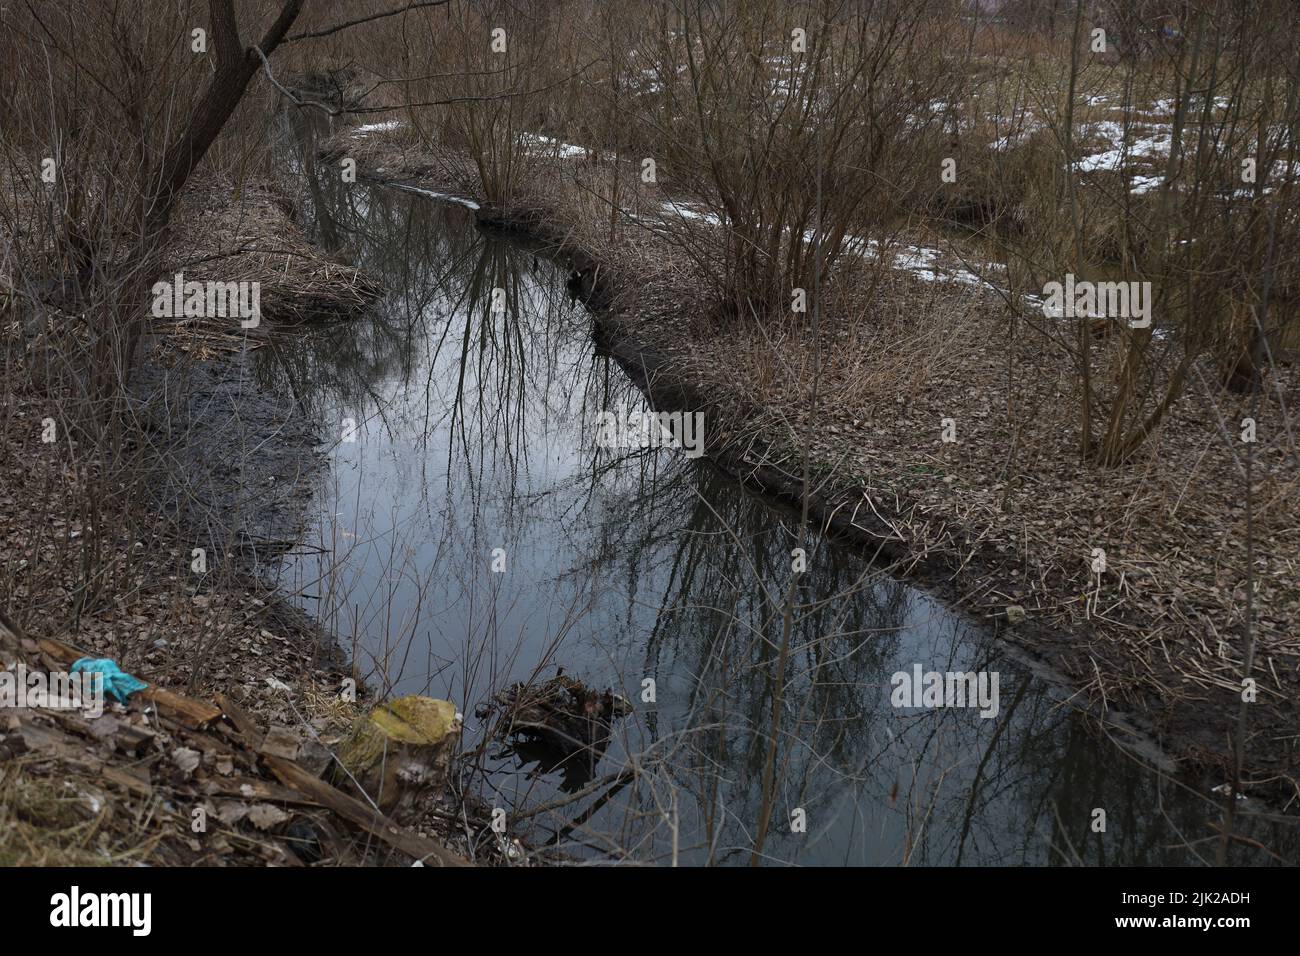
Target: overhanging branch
{"x": 374, "y": 16}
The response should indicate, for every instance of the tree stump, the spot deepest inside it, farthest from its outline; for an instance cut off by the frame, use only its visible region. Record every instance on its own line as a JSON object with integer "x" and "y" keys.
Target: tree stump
{"x": 398, "y": 750}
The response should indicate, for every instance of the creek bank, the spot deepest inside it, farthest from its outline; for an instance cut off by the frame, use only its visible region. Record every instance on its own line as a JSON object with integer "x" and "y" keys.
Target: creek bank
{"x": 966, "y": 578}
{"x": 216, "y": 472}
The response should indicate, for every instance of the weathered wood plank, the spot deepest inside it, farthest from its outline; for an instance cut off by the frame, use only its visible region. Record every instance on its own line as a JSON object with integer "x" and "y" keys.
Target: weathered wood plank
{"x": 191, "y": 713}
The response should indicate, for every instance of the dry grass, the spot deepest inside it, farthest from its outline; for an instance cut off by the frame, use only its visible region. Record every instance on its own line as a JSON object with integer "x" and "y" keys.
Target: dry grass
{"x": 1007, "y": 514}
{"x": 245, "y": 231}
{"x": 50, "y": 816}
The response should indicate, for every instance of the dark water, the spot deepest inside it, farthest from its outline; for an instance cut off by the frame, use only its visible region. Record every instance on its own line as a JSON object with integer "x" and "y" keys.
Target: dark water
{"x": 476, "y": 431}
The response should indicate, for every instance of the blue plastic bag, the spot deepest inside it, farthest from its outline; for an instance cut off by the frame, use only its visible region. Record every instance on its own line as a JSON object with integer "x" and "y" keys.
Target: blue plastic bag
{"x": 116, "y": 681}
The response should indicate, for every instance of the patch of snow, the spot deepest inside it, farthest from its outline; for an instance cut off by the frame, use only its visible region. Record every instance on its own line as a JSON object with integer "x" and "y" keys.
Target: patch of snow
{"x": 441, "y": 197}
{"x": 555, "y": 147}
{"x": 1144, "y": 184}
{"x": 686, "y": 211}
{"x": 376, "y": 127}
{"x": 1112, "y": 158}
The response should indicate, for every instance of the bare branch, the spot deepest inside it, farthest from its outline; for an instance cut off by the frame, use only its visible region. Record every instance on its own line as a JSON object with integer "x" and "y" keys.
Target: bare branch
{"x": 374, "y": 16}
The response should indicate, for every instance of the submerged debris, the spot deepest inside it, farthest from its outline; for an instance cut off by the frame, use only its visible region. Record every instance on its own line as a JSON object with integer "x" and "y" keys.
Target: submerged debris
{"x": 1224, "y": 789}
{"x": 561, "y": 724}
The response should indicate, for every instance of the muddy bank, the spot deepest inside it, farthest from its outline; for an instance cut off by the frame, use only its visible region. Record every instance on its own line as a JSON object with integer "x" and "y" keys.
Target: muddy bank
{"x": 239, "y": 460}
{"x": 246, "y": 462}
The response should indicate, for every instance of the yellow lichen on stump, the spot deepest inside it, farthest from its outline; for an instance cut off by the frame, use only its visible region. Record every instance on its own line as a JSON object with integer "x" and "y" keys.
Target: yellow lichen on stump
{"x": 398, "y": 750}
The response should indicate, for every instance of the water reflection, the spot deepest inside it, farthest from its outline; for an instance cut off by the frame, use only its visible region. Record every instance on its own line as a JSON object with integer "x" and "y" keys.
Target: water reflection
{"x": 472, "y": 394}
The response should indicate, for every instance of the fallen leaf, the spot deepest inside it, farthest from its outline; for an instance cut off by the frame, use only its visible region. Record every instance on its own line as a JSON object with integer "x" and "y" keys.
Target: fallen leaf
{"x": 264, "y": 816}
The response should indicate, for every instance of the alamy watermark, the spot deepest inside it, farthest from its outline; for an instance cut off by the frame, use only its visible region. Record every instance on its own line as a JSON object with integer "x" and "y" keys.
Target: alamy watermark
{"x": 74, "y": 908}
{"x": 1099, "y": 300}
{"x": 211, "y": 300}
{"x": 623, "y": 428}
{"x": 59, "y": 690}
{"x": 946, "y": 689}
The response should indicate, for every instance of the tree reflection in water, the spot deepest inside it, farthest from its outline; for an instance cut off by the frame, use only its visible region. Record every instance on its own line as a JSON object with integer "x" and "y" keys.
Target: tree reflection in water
{"x": 476, "y": 431}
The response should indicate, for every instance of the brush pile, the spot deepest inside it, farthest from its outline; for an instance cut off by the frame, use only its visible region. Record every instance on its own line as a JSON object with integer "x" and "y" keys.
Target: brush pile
{"x": 561, "y": 724}
{"x": 254, "y": 238}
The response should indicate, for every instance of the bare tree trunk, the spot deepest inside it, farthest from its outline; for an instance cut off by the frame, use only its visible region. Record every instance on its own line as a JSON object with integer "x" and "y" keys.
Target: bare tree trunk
{"x": 1085, "y": 322}
{"x": 1118, "y": 444}
{"x": 236, "y": 66}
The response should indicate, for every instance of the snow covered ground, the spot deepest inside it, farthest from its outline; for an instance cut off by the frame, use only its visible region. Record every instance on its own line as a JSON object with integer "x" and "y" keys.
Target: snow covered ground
{"x": 369, "y": 128}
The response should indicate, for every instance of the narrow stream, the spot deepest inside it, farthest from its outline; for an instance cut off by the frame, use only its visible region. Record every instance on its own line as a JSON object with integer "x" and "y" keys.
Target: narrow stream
{"x": 475, "y": 430}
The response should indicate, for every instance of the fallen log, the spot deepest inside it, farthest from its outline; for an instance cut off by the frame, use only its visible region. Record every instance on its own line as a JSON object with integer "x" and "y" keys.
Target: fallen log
{"x": 191, "y": 713}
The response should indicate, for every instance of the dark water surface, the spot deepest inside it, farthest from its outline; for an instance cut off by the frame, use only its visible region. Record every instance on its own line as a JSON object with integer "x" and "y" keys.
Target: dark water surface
{"x": 475, "y": 431}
